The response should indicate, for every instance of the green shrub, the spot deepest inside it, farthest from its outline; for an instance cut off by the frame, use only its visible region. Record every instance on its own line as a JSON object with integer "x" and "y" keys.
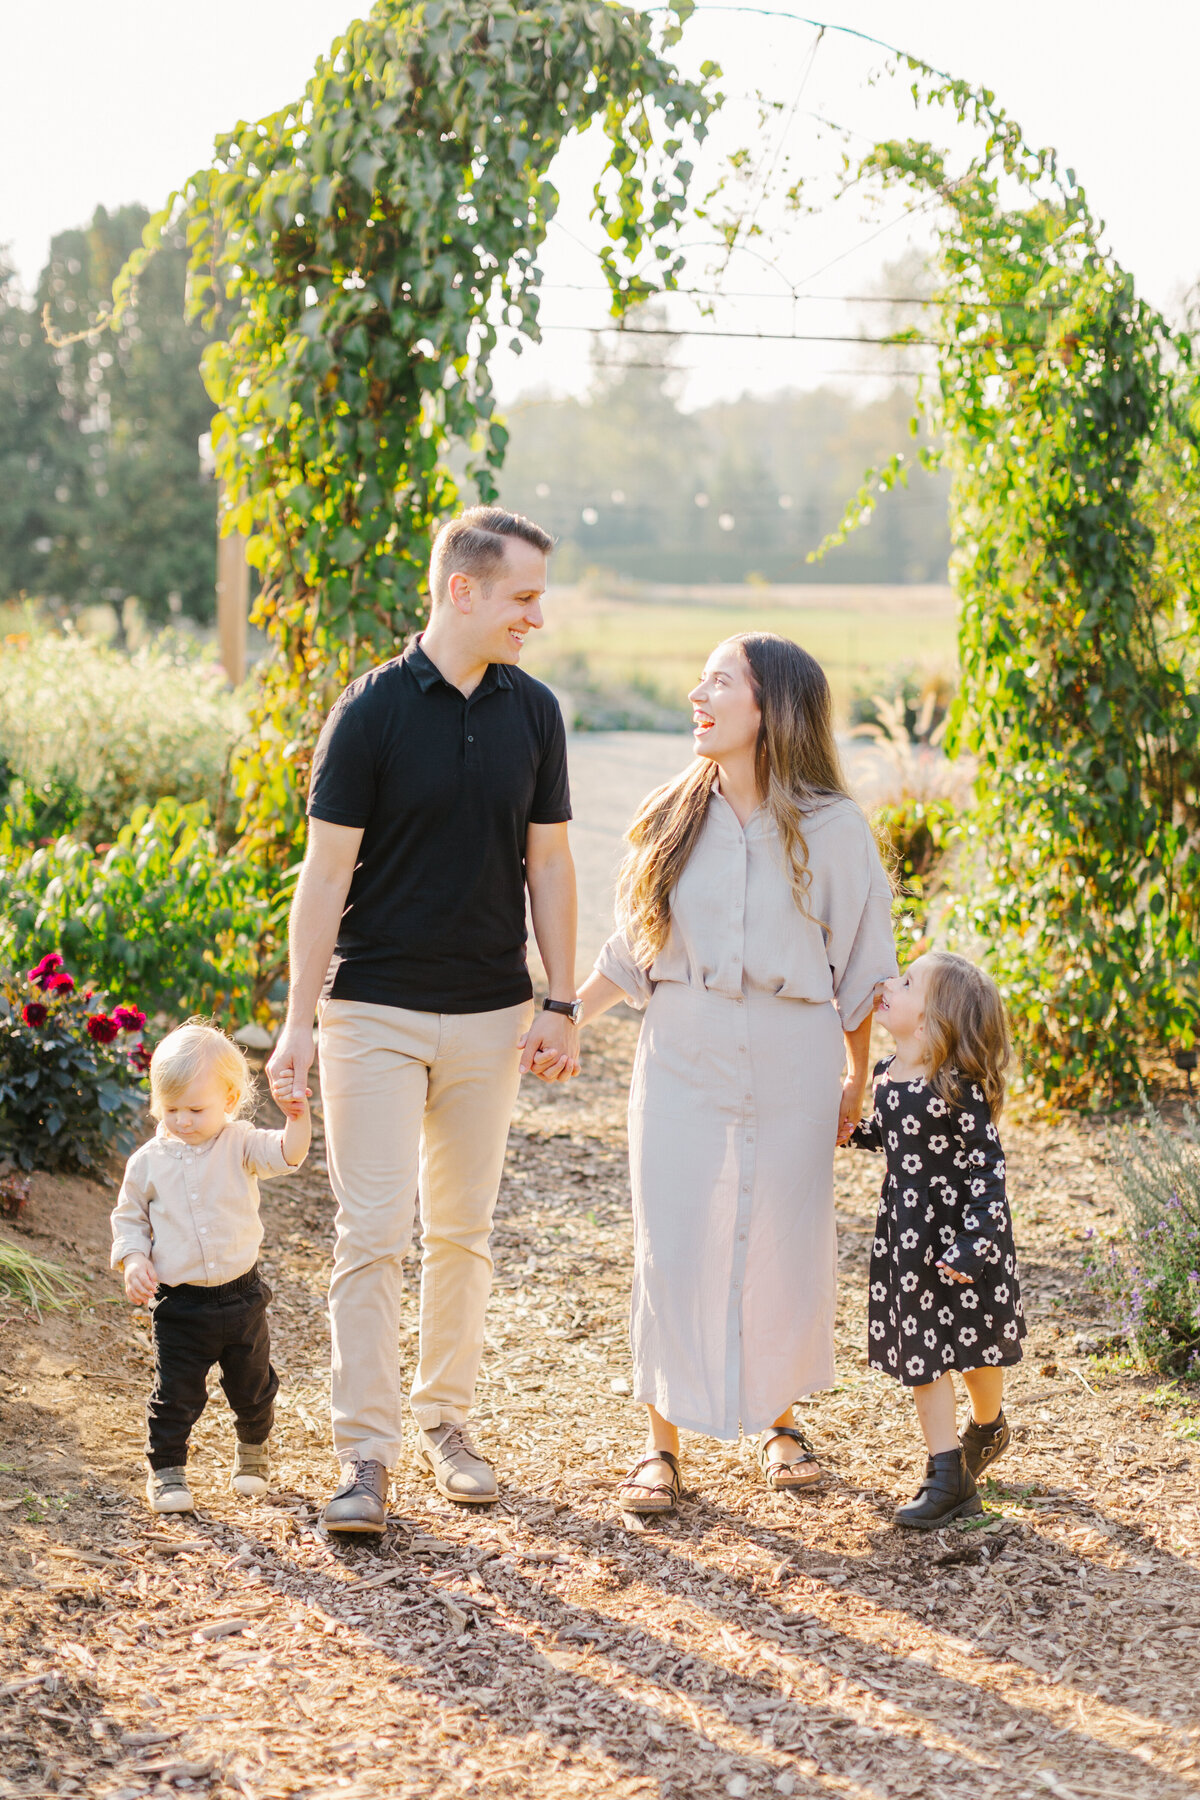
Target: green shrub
{"x": 163, "y": 909}
{"x": 72, "y": 1073}
{"x": 915, "y": 695}
{"x": 88, "y": 733}
{"x": 1152, "y": 1273}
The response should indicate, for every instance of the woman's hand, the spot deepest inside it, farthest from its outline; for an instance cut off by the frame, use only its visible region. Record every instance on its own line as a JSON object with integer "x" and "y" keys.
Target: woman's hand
{"x": 956, "y": 1275}
{"x": 851, "y": 1109}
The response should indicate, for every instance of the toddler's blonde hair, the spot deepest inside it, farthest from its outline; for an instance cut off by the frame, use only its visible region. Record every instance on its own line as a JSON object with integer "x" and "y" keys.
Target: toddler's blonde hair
{"x": 194, "y": 1049}
{"x": 966, "y": 1030}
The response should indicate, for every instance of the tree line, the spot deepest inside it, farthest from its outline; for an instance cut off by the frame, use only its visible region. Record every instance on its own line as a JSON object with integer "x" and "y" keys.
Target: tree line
{"x": 102, "y": 495}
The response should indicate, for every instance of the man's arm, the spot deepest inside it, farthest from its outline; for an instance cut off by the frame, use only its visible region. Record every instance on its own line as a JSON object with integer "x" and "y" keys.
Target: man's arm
{"x": 550, "y": 874}
{"x": 312, "y": 932}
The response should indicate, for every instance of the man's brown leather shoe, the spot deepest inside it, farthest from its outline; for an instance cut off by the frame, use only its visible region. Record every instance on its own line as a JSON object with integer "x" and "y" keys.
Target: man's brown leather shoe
{"x": 360, "y": 1504}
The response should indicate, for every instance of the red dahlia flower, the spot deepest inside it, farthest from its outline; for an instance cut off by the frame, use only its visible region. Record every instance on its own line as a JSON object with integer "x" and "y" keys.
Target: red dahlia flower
{"x": 129, "y": 1018}
{"x": 34, "y": 1013}
{"x": 139, "y": 1059}
{"x": 59, "y": 984}
{"x": 102, "y": 1028}
{"x": 49, "y": 964}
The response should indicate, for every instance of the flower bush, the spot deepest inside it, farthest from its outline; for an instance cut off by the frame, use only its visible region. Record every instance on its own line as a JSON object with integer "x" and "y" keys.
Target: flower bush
{"x": 89, "y": 733}
{"x": 71, "y": 1074}
{"x": 1151, "y": 1273}
{"x": 196, "y": 928}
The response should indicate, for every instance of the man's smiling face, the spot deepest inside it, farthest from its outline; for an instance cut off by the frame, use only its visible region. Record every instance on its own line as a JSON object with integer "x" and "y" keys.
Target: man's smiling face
{"x": 508, "y": 605}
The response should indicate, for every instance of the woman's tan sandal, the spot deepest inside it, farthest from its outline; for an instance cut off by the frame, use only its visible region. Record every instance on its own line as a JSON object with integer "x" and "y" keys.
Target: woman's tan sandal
{"x": 804, "y": 1472}
{"x": 634, "y": 1496}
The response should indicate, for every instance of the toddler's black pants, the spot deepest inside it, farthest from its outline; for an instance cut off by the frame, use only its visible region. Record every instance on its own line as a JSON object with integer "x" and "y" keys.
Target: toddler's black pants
{"x": 193, "y": 1328}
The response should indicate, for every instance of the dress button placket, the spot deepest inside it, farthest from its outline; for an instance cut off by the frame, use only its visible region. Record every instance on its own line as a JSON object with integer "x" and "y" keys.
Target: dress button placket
{"x": 747, "y": 1121}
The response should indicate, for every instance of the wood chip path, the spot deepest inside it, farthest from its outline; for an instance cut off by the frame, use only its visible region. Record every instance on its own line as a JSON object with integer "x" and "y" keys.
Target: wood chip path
{"x": 754, "y": 1645}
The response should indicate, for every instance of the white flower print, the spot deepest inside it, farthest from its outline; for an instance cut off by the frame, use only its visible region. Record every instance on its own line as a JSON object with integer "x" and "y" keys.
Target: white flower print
{"x": 930, "y": 1215}
{"x": 877, "y": 1329}
{"x": 909, "y": 1239}
{"x": 947, "y": 1353}
{"x": 892, "y": 1140}
{"x": 976, "y": 1091}
{"x": 1010, "y": 1330}
{"x": 967, "y": 1335}
{"x": 937, "y": 1108}
{"x": 908, "y": 1280}
{"x": 991, "y": 1354}
{"x": 908, "y": 1325}
{"x": 979, "y": 1187}
{"x": 911, "y": 1197}
{"x": 946, "y": 1233}
{"x": 930, "y": 1340}
{"x": 926, "y": 1300}
{"x": 938, "y": 1145}
{"x": 970, "y": 1222}
{"x": 915, "y": 1365}
{"x": 969, "y": 1298}
{"x": 1002, "y": 1293}
{"x": 966, "y": 1123}
{"x": 893, "y": 1099}
{"x": 910, "y": 1126}
{"x": 910, "y": 1163}
{"x": 878, "y": 1291}
{"x": 880, "y": 1246}
{"x": 945, "y": 1316}
{"x": 893, "y": 1356}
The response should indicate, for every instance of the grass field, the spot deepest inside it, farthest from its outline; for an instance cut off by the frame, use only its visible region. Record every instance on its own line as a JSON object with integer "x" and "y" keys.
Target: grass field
{"x": 652, "y": 642}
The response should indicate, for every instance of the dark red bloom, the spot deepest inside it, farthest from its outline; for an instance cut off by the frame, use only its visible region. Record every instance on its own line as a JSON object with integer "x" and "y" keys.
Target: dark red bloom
{"x": 102, "y": 1028}
{"x": 49, "y": 964}
{"x": 59, "y": 984}
{"x": 129, "y": 1018}
{"x": 139, "y": 1059}
{"x": 33, "y": 1012}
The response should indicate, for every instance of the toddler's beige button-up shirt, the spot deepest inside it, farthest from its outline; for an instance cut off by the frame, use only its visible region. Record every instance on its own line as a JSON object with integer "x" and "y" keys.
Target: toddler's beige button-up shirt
{"x": 193, "y": 1208}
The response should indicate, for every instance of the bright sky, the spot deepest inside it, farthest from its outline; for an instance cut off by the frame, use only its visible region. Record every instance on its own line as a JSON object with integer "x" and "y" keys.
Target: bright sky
{"x": 118, "y": 105}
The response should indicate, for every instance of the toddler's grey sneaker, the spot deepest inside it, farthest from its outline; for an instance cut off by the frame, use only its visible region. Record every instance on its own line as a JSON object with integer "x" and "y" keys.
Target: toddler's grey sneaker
{"x": 251, "y": 1468}
{"x": 168, "y": 1492}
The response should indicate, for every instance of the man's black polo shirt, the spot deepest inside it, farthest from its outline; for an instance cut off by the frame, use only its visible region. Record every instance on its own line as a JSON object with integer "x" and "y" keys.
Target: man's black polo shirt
{"x": 445, "y": 789}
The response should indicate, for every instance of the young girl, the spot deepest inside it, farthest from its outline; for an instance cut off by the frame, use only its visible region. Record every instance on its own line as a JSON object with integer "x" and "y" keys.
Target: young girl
{"x": 186, "y": 1234}
{"x": 944, "y": 1288}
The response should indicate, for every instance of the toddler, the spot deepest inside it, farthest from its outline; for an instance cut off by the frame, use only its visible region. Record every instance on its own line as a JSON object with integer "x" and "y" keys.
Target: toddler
{"x": 944, "y": 1290}
{"x": 186, "y": 1234}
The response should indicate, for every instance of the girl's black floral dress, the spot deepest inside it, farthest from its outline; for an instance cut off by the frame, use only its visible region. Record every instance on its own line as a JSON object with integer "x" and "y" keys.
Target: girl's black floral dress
{"x": 943, "y": 1200}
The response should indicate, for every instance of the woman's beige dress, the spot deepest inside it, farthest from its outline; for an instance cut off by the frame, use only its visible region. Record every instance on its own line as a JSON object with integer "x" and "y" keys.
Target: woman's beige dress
{"x": 733, "y": 1114}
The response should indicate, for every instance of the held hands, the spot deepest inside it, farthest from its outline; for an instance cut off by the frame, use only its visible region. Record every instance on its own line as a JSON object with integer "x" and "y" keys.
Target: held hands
{"x": 141, "y": 1279}
{"x": 550, "y": 1048}
{"x": 850, "y": 1110}
{"x": 287, "y": 1070}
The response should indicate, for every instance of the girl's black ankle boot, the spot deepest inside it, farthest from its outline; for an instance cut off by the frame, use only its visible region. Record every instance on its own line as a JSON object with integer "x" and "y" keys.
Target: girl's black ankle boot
{"x": 947, "y": 1492}
{"x": 986, "y": 1444}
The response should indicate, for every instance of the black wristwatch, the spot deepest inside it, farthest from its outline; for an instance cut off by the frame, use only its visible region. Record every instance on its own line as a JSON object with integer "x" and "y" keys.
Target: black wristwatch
{"x": 570, "y": 1009}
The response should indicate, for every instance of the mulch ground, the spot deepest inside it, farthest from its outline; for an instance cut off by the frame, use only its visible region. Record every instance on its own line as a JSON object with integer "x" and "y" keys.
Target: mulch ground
{"x": 754, "y": 1645}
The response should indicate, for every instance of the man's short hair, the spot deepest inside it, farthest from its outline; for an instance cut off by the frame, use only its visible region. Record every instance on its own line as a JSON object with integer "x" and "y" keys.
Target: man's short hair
{"x": 474, "y": 544}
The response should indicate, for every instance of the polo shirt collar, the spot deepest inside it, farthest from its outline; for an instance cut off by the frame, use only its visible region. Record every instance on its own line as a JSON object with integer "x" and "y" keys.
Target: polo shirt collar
{"x": 427, "y": 675}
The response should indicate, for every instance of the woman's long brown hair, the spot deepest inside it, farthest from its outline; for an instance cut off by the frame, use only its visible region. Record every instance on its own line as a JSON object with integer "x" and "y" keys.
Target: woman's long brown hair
{"x": 797, "y": 765}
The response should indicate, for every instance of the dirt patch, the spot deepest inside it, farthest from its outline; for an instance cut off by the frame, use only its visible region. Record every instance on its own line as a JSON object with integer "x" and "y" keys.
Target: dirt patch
{"x": 755, "y": 1645}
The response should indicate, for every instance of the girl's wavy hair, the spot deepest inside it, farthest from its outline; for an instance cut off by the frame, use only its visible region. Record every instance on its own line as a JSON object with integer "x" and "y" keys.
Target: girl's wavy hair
{"x": 966, "y": 1031}
{"x": 797, "y": 765}
{"x": 194, "y": 1049}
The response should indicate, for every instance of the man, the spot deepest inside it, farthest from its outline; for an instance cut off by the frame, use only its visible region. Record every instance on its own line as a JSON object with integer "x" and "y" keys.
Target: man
{"x": 439, "y": 792}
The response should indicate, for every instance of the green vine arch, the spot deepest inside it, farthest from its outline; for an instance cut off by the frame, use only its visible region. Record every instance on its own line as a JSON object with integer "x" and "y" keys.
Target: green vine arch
{"x": 362, "y": 251}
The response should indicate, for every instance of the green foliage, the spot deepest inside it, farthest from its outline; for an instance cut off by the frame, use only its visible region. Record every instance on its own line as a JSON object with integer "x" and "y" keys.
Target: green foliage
{"x": 920, "y": 695}
{"x": 1069, "y": 414}
{"x": 194, "y": 928}
{"x": 71, "y": 1073}
{"x": 34, "y": 1281}
{"x": 916, "y": 834}
{"x": 101, "y": 494}
{"x": 362, "y": 251}
{"x": 89, "y": 734}
{"x": 1153, "y": 1272}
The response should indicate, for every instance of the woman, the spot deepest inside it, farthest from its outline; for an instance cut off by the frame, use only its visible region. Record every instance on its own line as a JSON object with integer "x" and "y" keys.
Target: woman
{"x": 754, "y": 927}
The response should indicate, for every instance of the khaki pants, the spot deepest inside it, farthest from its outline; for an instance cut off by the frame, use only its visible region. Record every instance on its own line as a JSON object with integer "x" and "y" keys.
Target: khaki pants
{"x": 412, "y": 1099}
